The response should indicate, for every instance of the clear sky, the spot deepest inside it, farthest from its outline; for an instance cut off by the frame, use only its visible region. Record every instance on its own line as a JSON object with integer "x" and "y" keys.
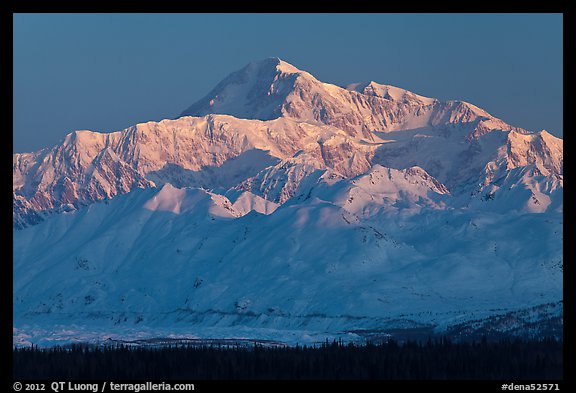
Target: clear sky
{"x": 105, "y": 72}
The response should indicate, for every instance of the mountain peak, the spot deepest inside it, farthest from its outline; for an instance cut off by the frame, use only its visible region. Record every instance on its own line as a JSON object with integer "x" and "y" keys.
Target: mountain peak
{"x": 271, "y": 88}
{"x": 257, "y": 91}
{"x": 275, "y": 63}
{"x": 422, "y": 205}
{"x": 389, "y": 92}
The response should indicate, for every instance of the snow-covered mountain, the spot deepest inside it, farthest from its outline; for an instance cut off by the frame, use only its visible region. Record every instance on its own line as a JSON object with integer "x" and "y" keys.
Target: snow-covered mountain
{"x": 280, "y": 202}
{"x": 286, "y": 117}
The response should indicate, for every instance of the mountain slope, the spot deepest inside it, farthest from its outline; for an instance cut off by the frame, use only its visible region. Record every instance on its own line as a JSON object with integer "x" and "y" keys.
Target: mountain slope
{"x": 295, "y": 118}
{"x": 311, "y": 266}
{"x": 212, "y": 152}
{"x": 272, "y": 88}
{"x": 279, "y": 205}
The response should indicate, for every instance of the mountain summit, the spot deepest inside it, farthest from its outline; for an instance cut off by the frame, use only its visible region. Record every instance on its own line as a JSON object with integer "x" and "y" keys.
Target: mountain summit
{"x": 276, "y": 111}
{"x": 282, "y": 203}
{"x": 272, "y": 88}
{"x": 257, "y": 91}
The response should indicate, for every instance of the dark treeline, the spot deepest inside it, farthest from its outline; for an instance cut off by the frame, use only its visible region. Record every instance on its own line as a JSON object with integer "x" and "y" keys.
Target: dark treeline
{"x": 441, "y": 359}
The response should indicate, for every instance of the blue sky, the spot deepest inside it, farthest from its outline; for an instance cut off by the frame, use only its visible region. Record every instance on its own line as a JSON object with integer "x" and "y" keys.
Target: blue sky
{"x": 105, "y": 72}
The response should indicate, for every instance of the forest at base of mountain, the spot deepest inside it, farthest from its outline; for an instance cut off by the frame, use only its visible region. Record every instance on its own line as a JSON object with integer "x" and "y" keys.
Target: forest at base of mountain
{"x": 439, "y": 359}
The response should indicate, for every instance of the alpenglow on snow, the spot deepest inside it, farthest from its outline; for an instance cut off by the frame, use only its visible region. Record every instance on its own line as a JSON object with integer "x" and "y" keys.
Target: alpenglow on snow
{"x": 282, "y": 207}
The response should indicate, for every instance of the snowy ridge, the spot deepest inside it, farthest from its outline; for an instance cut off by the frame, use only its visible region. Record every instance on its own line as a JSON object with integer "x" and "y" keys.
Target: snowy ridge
{"x": 391, "y": 93}
{"x": 279, "y": 203}
{"x": 312, "y": 265}
{"x": 296, "y": 119}
{"x": 406, "y": 189}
